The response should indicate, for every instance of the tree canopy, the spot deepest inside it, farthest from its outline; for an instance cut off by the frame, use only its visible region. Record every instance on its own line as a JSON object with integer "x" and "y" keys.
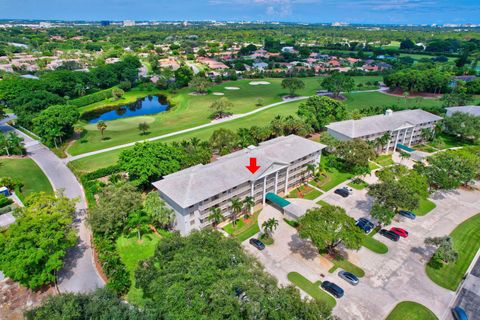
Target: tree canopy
{"x": 55, "y": 124}
{"x": 329, "y": 226}
{"x": 208, "y": 276}
{"x": 320, "y": 111}
{"x": 463, "y": 125}
{"x": 338, "y": 82}
{"x": 33, "y": 248}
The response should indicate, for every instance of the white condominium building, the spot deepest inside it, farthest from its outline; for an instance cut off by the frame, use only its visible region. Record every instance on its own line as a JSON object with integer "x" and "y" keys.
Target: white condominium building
{"x": 194, "y": 191}
{"x": 404, "y": 127}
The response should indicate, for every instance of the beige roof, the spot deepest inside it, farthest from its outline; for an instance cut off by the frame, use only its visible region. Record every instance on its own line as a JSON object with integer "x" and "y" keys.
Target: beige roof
{"x": 195, "y": 184}
{"x": 382, "y": 123}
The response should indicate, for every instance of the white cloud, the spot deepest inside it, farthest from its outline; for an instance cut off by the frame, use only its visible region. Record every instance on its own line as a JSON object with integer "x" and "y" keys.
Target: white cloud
{"x": 281, "y": 8}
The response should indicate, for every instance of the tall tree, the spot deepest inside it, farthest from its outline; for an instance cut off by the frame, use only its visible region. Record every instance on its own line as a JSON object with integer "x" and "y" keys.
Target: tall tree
{"x": 269, "y": 226}
{"x": 200, "y": 84}
{"x": 160, "y": 215}
{"x": 220, "y": 108}
{"x": 208, "y": 276}
{"x": 223, "y": 141}
{"x": 235, "y": 208}
{"x": 355, "y": 153}
{"x": 450, "y": 169}
{"x": 215, "y": 215}
{"x": 444, "y": 249}
{"x": 320, "y": 111}
{"x": 337, "y": 83}
{"x": 292, "y": 84}
{"x": 101, "y": 126}
{"x": 143, "y": 127}
{"x": 55, "y": 124}
{"x": 34, "y": 247}
{"x": 114, "y": 206}
{"x": 335, "y": 225}
{"x": 463, "y": 125}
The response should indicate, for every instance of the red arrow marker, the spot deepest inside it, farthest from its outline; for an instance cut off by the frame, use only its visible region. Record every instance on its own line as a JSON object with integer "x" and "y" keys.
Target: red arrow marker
{"x": 253, "y": 165}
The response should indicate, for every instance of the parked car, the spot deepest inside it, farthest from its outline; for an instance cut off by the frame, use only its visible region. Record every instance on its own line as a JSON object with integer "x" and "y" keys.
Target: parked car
{"x": 349, "y": 277}
{"x": 390, "y": 235}
{"x": 459, "y": 314}
{"x": 365, "y": 224}
{"x": 401, "y": 232}
{"x": 342, "y": 192}
{"x": 407, "y": 214}
{"x": 257, "y": 243}
{"x": 332, "y": 288}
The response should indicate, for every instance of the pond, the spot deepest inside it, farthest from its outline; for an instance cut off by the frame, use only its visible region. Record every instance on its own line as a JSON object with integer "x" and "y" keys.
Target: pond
{"x": 144, "y": 106}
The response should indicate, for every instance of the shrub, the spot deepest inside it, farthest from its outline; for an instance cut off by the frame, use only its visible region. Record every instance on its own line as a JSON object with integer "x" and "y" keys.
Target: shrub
{"x": 4, "y": 201}
{"x": 92, "y": 98}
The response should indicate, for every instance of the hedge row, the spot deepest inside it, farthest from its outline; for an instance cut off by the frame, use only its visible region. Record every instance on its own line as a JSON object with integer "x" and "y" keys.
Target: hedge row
{"x": 112, "y": 265}
{"x": 92, "y": 98}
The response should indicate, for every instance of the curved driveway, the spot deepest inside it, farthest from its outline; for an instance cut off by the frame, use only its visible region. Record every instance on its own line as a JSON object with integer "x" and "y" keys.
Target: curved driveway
{"x": 79, "y": 273}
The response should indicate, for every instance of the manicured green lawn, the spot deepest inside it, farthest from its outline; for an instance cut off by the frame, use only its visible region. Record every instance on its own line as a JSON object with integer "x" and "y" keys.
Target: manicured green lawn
{"x": 384, "y": 160}
{"x": 188, "y": 111}
{"x": 425, "y": 207}
{"x": 260, "y": 119}
{"x": 332, "y": 179}
{"x": 466, "y": 240}
{"x": 305, "y": 192}
{"x": 323, "y": 203}
{"x": 370, "y": 99}
{"x": 27, "y": 172}
{"x": 313, "y": 289}
{"x": 358, "y": 184}
{"x": 243, "y": 229}
{"x": 408, "y": 310}
{"x": 347, "y": 266}
{"x": 445, "y": 141}
{"x": 132, "y": 251}
{"x": 374, "y": 245}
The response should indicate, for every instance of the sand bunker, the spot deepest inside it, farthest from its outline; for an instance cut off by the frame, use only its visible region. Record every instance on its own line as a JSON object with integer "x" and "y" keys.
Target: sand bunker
{"x": 232, "y": 88}
{"x": 257, "y": 83}
{"x": 218, "y": 93}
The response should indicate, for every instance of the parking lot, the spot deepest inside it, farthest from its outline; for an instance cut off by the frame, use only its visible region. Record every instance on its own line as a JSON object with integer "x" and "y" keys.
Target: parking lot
{"x": 396, "y": 276}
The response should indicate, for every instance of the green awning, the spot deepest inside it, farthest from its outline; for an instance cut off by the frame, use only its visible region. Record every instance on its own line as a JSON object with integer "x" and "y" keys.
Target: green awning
{"x": 277, "y": 200}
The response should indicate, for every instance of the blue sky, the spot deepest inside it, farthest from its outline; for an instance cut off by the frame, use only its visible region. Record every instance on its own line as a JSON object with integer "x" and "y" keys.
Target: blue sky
{"x": 353, "y": 11}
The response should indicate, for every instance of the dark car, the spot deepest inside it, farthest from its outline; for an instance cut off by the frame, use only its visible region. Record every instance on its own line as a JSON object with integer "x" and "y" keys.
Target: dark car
{"x": 407, "y": 214}
{"x": 257, "y": 244}
{"x": 349, "y": 277}
{"x": 459, "y": 314}
{"x": 365, "y": 224}
{"x": 332, "y": 288}
{"x": 342, "y": 192}
{"x": 390, "y": 235}
{"x": 401, "y": 232}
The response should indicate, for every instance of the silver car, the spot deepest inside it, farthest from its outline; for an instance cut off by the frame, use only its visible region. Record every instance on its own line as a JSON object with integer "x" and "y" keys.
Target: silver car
{"x": 349, "y": 277}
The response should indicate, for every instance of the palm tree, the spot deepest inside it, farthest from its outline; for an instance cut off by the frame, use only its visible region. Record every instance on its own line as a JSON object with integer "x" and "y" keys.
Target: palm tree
{"x": 143, "y": 126}
{"x": 248, "y": 204}
{"x": 215, "y": 215}
{"x": 312, "y": 169}
{"x": 102, "y": 126}
{"x": 269, "y": 226}
{"x": 404, "y": 155}
{"x": 380, "y": 142}
{"x": 236, "y": 206}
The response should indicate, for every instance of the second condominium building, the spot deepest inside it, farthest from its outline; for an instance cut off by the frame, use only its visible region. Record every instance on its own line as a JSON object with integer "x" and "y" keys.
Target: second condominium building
{"x": 194, "y": 191}
{"x": 403, "y": 127}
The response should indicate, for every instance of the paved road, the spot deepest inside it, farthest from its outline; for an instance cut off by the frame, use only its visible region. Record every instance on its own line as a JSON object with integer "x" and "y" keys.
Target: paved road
{"x": 399, "y": 275}
{"x": 79, "y": 273}
{"x": 469, "y": 295}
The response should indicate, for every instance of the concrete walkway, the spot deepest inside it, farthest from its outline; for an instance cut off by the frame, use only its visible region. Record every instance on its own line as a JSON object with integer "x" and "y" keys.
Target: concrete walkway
{"x": 206, "y": 125}
{"x": 79, "y": 273}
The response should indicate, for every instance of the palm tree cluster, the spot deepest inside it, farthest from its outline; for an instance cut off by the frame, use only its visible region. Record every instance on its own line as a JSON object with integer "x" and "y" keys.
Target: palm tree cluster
{"x": 269, "y": 226}
{"x": 237, "y": 206}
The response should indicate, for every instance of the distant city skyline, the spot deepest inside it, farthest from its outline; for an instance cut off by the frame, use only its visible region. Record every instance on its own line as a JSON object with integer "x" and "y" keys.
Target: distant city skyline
{"x": 311, "y": 11}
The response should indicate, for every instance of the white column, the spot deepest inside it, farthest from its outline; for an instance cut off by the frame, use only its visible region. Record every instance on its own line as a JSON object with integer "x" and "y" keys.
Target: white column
{"x": 264, "y": 188}
{"x": 286, "y": 181}
{"x": 411, "y": 137}
{"x": 388, "y": 144}
{"x": 276, "y": 182}
{"x": 404, "y": 136}
{"x": 396, "y": 141}
{"x": 252, "y": 189}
